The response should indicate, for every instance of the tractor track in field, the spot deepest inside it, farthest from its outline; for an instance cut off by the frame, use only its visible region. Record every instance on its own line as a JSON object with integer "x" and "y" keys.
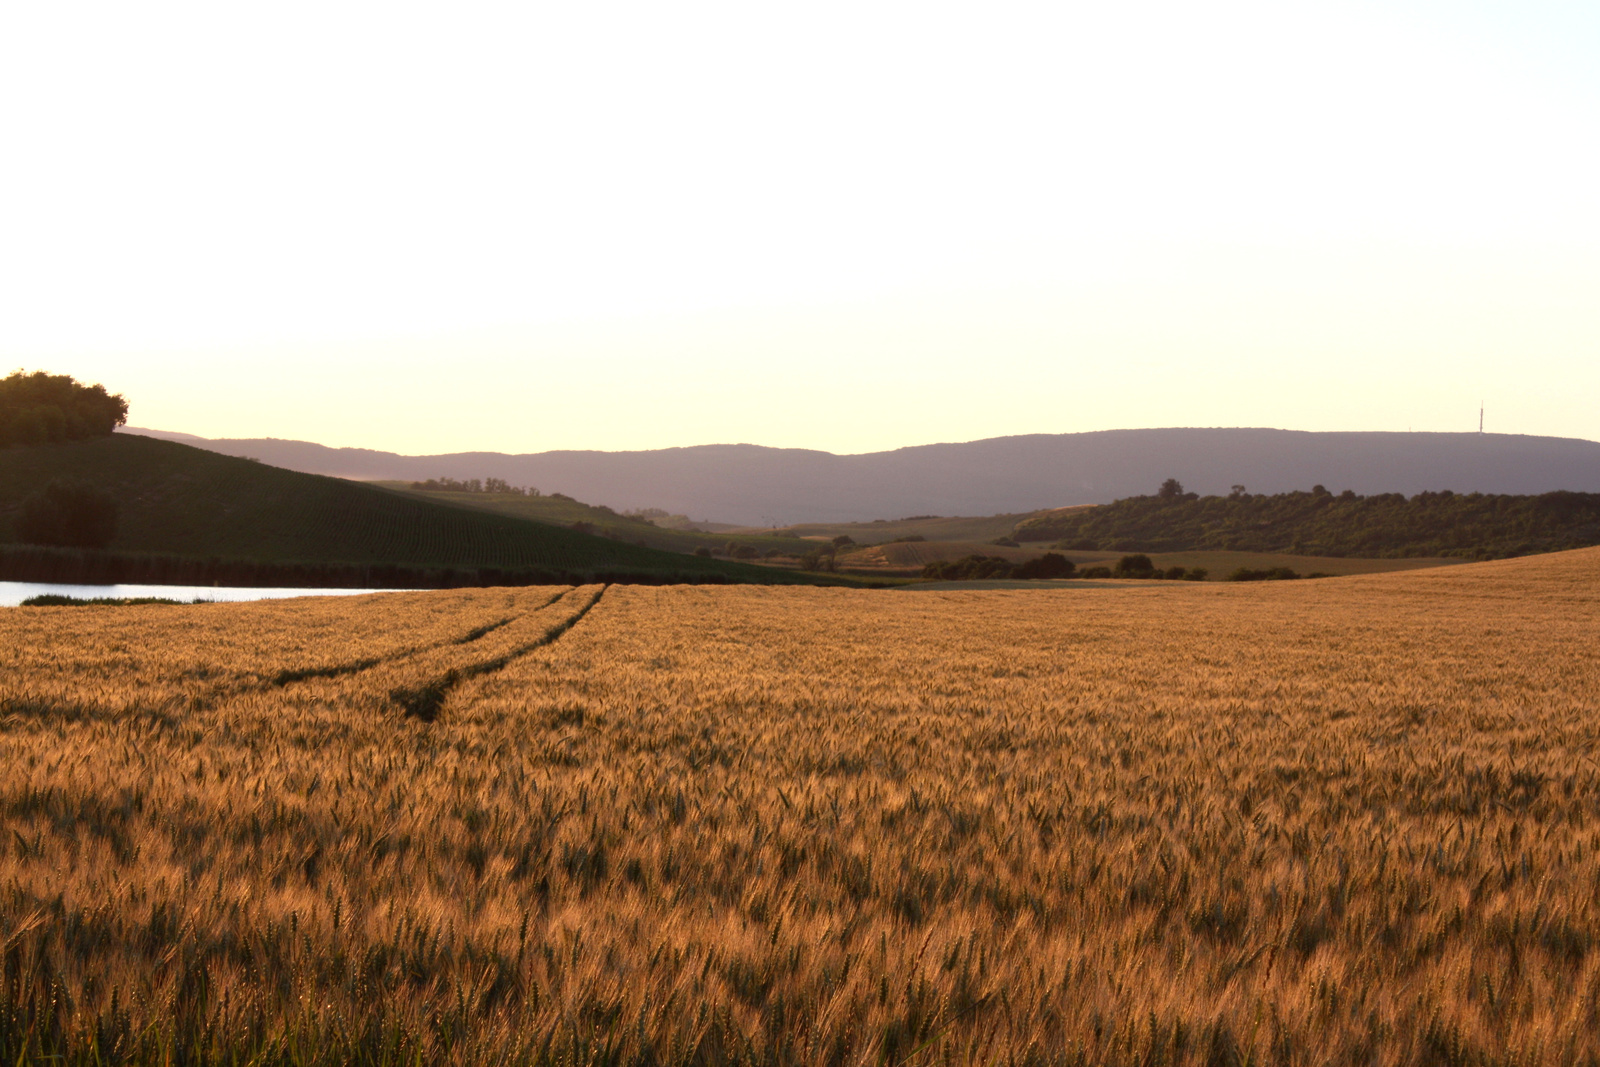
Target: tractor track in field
{"x": 338, "y": 670}
{"x": 425, "y": 701}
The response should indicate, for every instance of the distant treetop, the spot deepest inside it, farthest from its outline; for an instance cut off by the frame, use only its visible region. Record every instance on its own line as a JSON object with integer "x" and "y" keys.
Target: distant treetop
{"x": 475, "y": 485}
{"x": 40, "y": 408}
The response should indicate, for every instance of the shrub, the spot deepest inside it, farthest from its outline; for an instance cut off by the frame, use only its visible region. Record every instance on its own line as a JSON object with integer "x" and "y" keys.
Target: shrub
{"x": 1049, "y": 565}
{"x": 1175, "y": 573}
{"x": 969, "y": 568}
{"x": 1095, "y": 572}
{"x": 1272, "y": 574}
{"x": 1005, "y": 542}
{"x": 1137, "y": 565}
{"x": 68, "y": 514}
{"x": 745, "y": 552}
{"x": 844, "y": 539}
{"x": 703, "y": 552}
{"x": 1196, "y": 574}
{"x": 818, "y": 559}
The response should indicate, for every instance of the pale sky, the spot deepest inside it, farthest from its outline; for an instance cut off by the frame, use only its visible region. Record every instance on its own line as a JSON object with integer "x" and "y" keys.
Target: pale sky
{"x": 848, "y": 226}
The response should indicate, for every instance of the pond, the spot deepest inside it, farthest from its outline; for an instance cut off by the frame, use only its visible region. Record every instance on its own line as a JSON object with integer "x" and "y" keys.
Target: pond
{"x": 14, "y": 593}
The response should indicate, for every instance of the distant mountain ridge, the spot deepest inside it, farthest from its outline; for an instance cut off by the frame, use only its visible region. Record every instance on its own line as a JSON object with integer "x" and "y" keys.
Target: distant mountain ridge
{"x": 757, "y": 485}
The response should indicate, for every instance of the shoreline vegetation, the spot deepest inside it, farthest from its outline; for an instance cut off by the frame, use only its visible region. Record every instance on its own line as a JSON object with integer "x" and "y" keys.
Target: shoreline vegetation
{"x": 38, "y": 563}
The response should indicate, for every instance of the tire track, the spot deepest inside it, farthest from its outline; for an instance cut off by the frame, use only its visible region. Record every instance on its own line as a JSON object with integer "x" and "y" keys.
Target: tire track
{"x": 338, "y": 670}
{"x": 425, "y": 701}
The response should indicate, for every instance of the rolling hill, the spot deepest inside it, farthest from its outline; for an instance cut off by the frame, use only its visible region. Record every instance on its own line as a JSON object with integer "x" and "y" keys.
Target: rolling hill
{"x": 1321, "y": 523}
{"x": 185, "y": 503}
{"x": 758, "y": 486}
{"x": 561, "y": 510}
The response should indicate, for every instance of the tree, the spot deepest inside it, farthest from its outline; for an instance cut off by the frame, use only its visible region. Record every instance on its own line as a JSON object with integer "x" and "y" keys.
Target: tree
{"x": 68, "y": 514}
{"x": 844, "y": 539}
{"x": 1137, "y": 565}
{"x": 1236, "y": 492}
{"x": 1049, "y": 565}
{"x": 969, "y": 568}
{"x": 40, "y": 408}
{"x": 1171, "y": 489}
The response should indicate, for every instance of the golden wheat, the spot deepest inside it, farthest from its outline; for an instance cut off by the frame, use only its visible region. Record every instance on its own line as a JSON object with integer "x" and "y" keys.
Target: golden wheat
{"x": 1344, "y": 821}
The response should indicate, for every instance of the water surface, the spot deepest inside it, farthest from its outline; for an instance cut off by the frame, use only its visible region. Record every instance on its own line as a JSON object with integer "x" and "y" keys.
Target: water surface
{"x": 14, "y": 593}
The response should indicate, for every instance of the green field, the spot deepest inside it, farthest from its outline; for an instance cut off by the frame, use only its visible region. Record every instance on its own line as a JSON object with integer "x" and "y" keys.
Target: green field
{"x": 180, "y": 501}
{"x": 564, "y": 511}
{"x": 933, "y": 528}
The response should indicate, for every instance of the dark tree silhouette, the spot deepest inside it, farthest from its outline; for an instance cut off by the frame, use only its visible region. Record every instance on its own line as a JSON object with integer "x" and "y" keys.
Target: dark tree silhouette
{"x": 69, "y": 514}
{"x": 1135, "y": 566}
{"x": 1049, "y": 565}
{"x": 40, "y": 408}
{"x": 1171, "y": 489}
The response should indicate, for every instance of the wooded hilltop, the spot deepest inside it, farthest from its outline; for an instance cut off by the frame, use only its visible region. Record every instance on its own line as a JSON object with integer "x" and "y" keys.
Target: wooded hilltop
{"x": 1323, "y": 523}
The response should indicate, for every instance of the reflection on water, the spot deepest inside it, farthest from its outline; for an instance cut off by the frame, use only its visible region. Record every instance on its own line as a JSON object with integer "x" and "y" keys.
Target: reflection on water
{"x": 14, "y": 593}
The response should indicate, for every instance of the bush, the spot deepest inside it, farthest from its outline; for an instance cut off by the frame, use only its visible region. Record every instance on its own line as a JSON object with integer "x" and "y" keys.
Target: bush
{"x": 40, "y": 408}
{"x": 1137, "y": 565}
{"x": 1095, "y": 572}
{"x": 1005, "y": 542}
{"x": 969, "y": 568}
{"x": 744, "y": 552}
{"x": 1196, "y": 574}
{"x": 819, "y": 559}
{"x": 1175, "y": 573}
{"x": 703, "y": 552}
{"x": 68, "y": 515}
{"x": 1049, "y": 565}
{"x": 1272, "y": 574}
{"x": 844, "y": 539}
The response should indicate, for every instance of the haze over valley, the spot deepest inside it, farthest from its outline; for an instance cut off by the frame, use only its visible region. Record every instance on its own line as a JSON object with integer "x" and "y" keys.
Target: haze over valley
{"x": 754, "y": 486}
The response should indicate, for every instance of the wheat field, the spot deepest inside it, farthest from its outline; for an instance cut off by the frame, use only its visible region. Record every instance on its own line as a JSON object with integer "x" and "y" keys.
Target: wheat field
{"x": 1350, "y": 821}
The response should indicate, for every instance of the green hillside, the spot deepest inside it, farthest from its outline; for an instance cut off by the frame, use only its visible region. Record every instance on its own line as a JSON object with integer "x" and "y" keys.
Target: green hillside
{"x": 1320, "y": 523}
{"x": 179, "y": 501}
{"x": 556, "y": 509}
{"x": 929, "y": 527}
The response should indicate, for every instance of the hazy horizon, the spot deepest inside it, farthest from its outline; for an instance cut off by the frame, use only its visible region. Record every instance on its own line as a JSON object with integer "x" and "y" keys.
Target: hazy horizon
{"x": 136, "y": 429}
{"x": 850, "y": 228}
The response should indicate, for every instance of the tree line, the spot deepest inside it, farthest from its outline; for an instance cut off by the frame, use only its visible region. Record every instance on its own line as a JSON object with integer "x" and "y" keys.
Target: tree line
{"x": 1323, "y": 523}
{"x": 474, "y": 485}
